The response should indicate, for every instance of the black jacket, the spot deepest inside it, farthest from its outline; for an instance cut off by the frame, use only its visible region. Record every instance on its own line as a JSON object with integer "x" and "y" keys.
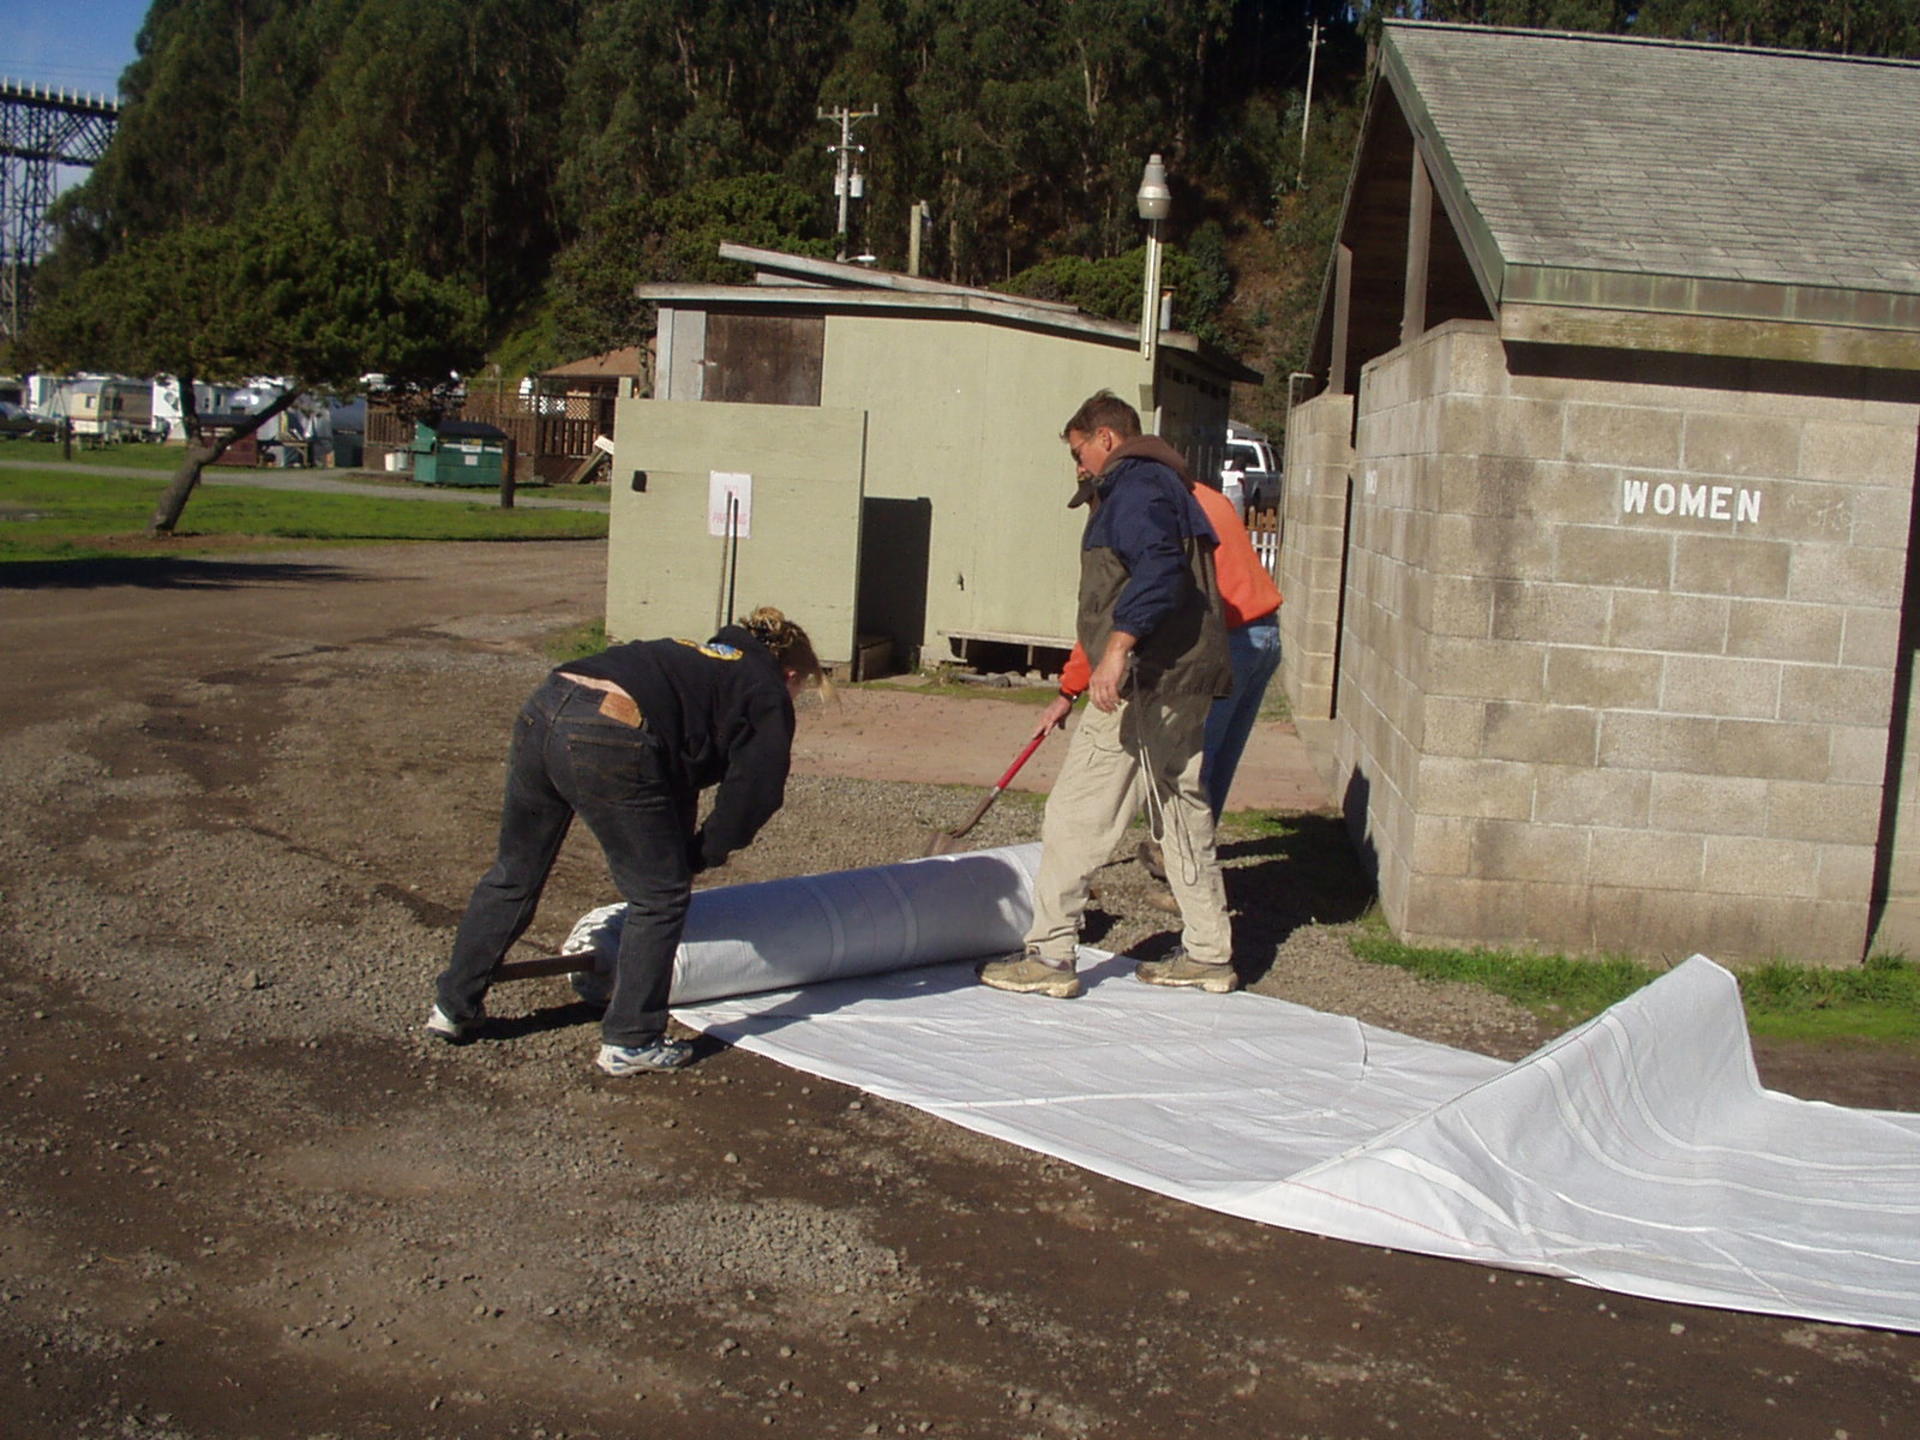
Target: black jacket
{"x": 723, "y": 716}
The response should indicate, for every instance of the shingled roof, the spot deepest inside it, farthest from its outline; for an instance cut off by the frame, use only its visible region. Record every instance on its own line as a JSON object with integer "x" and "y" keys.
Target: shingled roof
{"x": 1631, "y": 175}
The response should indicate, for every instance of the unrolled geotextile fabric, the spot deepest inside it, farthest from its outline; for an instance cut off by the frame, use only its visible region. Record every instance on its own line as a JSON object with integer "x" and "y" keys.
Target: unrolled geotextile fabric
{"x": 1638, "y": 1152}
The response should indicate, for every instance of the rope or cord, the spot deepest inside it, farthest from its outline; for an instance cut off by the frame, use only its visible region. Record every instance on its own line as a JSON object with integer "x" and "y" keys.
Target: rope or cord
{"x": 1157, "y": 809}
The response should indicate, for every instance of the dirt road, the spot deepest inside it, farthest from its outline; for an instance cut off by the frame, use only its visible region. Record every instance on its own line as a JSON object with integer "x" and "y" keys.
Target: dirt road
{"x": 240, "y": 805}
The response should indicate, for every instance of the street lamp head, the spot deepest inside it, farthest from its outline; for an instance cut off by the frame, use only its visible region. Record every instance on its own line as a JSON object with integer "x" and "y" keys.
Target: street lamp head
{"x": 1154, "y": 198}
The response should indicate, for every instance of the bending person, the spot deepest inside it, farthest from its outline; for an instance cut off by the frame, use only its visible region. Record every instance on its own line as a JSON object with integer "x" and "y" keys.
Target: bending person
{"x": 627, "y": 739}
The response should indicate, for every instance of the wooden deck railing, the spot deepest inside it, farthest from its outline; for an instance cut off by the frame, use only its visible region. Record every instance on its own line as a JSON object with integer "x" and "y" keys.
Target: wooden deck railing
{"x": 549, "y": 436}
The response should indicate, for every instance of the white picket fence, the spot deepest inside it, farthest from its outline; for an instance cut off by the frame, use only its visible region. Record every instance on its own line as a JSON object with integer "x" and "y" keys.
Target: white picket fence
{"x": 1264, "y": 527}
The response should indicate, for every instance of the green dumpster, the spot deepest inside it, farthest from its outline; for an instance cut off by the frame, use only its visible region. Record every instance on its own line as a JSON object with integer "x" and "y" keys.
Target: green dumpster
{"x": 459, "y": 452}
{"x": 420, "y": 449}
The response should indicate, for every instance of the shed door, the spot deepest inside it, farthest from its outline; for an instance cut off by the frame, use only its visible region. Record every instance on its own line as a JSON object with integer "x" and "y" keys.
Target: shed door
{"x": 764, "y": 359}
{"x": 667, "y": 575}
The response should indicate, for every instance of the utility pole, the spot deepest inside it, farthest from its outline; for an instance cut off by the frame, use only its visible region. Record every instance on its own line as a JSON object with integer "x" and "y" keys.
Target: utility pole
{"x": 915, "y": 232}
{"x": 1306, "y": 115}
{"x": 848, "y": 182}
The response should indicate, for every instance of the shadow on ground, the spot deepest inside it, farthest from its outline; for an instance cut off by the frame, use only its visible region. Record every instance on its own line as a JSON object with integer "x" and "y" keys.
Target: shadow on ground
{"x": 160, "y": 572}
{"x": 1307, "y": 874}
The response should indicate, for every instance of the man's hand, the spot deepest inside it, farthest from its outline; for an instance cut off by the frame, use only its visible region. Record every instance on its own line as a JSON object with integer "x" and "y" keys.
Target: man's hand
{"x": 1054, "y": 716}
{"x": 1111, "y": 673}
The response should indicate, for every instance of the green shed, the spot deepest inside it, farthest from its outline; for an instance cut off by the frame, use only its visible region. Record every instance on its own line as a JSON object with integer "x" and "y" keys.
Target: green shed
{"x": 880, "y": 456}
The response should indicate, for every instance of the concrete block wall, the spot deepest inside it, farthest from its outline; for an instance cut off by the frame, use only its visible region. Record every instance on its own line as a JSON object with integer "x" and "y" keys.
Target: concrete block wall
{"x": 1390, "y": 598}
{"x": 1616, "y": 673}
{"x": 1312, "y": 541}
{"x": 1898, "y": 921}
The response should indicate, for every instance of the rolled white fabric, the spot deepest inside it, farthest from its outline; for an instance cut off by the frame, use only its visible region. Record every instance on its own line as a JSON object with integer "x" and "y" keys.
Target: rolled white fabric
{"x": 742, "y": 939}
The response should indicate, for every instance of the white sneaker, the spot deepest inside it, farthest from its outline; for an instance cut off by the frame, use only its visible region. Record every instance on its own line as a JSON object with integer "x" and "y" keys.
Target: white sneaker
{"x": 661, "y": 1054}
{"x": 443, "y": 1026}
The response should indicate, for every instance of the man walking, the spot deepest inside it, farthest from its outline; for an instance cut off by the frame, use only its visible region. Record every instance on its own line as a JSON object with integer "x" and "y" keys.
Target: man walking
{"x": 1250, "y": 602}
{"x": 1150, "y": 618}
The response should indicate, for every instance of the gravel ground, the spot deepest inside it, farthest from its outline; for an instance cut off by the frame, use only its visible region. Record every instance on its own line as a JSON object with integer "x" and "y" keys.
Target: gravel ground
{"x": 240, "y": 806}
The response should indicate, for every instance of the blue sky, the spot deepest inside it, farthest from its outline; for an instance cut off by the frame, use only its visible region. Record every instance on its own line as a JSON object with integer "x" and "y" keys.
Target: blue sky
{"x": 79, "y": 45}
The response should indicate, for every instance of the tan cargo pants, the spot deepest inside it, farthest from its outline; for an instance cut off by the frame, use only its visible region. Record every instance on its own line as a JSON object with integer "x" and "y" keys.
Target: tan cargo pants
{"x": 1146, "y": 751}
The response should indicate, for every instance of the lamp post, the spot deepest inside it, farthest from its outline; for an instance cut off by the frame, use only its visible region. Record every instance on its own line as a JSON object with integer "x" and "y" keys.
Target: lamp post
{"x": 1306, "y": 115}
{"x": 1155, "y": 200}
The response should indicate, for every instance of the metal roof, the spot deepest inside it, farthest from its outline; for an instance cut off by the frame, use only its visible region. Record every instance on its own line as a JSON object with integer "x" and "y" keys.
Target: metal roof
{"x": 1614, "y": 174}
{"x": 798, "y": 282}
{"x": 778, "y": 267}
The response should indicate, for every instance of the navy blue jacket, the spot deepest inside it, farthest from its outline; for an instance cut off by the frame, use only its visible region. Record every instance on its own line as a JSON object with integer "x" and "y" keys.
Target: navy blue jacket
{"x": 1146, "y": 567}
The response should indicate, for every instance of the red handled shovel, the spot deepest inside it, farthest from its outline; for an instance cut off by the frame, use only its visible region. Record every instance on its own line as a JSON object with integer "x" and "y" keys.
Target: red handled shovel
{"x": 944, "y": 842}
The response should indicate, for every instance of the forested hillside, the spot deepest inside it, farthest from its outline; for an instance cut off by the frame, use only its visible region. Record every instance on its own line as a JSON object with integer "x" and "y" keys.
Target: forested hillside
{"x": 548, "y": 154}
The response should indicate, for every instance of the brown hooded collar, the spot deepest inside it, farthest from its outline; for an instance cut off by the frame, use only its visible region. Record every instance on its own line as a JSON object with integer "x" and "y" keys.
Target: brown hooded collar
{"x": 1140, "y": 447}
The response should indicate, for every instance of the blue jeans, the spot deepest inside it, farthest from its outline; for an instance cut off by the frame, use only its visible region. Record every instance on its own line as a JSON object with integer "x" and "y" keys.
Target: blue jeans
{"x": 1255, "y": 652}
{"x": 568, "y": 759}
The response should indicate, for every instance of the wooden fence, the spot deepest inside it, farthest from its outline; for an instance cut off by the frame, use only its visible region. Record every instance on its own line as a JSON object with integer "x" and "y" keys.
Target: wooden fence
{"x": 548, "y": 436}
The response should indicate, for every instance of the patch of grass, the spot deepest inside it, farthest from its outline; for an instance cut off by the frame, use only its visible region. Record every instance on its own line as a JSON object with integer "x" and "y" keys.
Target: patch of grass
{"x": 1271, "y": 824}
{"x": 587, "y": 494}
{"x": 53, "y": 516}
{"x": 130, "y": 456}
{"x": 165, "y": 459}
{"x": 1554, "y": 987}
{"x": 580, "y": 640}
{"x": 1878, "y": 1001}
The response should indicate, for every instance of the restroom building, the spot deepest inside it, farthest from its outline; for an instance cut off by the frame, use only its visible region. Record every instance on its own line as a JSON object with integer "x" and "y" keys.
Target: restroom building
{"x": 1598, "y": 545}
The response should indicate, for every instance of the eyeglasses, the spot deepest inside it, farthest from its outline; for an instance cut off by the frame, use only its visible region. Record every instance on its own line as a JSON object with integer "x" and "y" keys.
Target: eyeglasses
{"x": 1074, "y": 450}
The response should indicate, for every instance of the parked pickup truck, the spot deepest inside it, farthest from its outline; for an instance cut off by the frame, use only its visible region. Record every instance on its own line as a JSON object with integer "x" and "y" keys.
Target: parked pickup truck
{"x": 1248, "y": 476}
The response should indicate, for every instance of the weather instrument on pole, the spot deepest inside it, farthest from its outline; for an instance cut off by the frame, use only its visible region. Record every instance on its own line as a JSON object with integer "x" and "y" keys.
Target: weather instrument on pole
{"x": 848, "y": 182}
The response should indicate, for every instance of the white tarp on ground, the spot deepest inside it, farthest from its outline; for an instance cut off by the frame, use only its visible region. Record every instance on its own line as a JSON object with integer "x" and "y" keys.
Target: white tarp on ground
{"x": 1638, "y": 1153}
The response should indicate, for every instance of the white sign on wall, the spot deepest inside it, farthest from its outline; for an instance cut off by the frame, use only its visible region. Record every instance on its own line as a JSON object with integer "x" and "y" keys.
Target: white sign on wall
{"x": 723, "y": 487}
{"x": 1690, "y": 501}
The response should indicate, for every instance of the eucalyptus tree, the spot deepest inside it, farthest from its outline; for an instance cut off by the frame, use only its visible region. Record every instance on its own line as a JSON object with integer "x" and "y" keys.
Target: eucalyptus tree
{"x": 437, "y": 130}
{"x": 672, "y": 237}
